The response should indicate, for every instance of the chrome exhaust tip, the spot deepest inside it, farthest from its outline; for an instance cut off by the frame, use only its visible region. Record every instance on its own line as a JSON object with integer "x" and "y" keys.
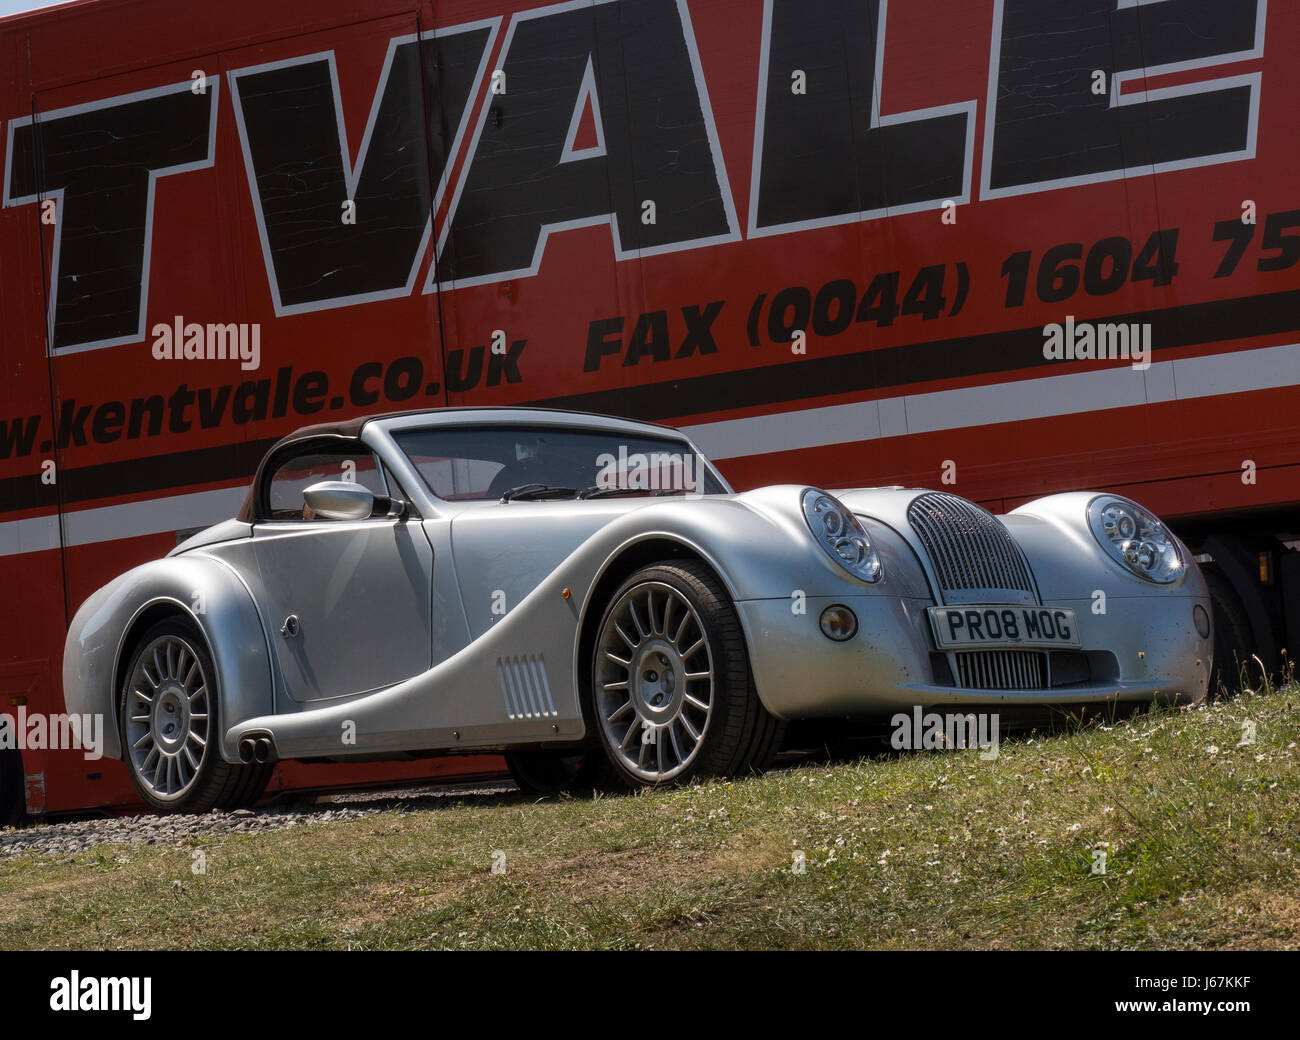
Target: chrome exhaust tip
{"x": 263, "y": 750}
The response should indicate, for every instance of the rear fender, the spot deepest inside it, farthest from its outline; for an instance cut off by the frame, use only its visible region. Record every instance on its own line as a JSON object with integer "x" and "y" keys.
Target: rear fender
{"x": 104, "y": 633}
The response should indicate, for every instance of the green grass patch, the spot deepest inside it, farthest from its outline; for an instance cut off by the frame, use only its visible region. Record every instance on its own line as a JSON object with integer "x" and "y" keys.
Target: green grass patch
{"x": 928, "y": 850}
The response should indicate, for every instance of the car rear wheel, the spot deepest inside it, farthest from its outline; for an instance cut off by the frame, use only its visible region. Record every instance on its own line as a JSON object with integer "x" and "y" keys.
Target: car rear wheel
{"x": 672, "y": 690}
{"x": 169, "y": 719}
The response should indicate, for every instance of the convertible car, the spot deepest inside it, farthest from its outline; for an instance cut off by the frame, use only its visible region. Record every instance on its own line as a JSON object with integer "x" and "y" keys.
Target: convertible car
{"x": 589, "y": 596}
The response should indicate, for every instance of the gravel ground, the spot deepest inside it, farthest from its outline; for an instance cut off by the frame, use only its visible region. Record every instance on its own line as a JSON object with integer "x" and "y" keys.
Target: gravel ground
{"x": 73, "y": 836}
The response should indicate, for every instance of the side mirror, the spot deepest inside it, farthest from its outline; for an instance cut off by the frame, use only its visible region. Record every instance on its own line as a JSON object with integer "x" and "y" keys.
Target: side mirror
{"x": 339, "y": 500}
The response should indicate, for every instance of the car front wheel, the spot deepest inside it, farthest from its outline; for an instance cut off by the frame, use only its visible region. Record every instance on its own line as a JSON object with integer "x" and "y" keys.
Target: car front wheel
{"x": 673, "y": 694}
{"x": 169, "y": 724}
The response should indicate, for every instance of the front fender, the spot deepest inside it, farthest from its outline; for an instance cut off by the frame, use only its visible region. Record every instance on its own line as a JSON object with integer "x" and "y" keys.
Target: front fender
{"x": 780, "y": 579}
{"x": 760, "y": 545}
{"x": 101, "y": 639}
{"x": 1068, "y": 562}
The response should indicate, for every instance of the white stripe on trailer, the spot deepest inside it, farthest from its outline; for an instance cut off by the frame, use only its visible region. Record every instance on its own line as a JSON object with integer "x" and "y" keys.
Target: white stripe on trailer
{"x": 129, "y": 520}
{"x": 992, "y": 403}
{"x": 1070, "y": 394}
{"x": 35, "y": 534}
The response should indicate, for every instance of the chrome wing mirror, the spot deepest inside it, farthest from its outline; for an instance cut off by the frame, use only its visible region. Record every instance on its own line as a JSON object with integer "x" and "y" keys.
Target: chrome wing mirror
{"x": 339, "y": 500}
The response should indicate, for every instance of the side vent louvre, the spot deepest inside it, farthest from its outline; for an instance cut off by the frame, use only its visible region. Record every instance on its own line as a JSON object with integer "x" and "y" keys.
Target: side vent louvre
{"x": 525, "y": 688}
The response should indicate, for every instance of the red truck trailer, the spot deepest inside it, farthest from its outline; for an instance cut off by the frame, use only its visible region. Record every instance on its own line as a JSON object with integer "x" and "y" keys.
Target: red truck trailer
{"x": 1008, "y": 247}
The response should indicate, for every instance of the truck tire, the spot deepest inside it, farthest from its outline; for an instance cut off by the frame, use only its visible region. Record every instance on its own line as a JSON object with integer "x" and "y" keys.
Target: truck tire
{"x": 13, "y": 799}
{"x": 1233, "y": 640}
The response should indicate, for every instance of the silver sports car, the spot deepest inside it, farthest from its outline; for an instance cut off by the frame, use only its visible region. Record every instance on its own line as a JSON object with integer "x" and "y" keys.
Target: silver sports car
{"x": 589, "y": 595}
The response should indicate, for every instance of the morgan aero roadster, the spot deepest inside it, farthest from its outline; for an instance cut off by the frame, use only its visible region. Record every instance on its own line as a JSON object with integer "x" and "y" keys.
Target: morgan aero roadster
{"x": 590, "y": 597}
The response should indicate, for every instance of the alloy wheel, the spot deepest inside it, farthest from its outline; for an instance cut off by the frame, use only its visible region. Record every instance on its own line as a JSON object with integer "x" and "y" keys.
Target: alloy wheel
{"x": 167, "y": 717}
{"x": 654, "y": 681}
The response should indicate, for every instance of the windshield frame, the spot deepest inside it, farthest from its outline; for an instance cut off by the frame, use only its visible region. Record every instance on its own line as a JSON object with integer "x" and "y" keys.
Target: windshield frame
{"x": 673, "y": 441}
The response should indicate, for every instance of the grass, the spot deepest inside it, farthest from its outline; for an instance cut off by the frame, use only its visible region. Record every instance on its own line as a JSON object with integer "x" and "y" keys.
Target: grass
{"x": 923, "y": 850}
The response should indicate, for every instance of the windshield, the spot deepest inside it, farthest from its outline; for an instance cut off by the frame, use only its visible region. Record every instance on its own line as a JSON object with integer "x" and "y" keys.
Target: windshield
{"x": 466, "y": 464}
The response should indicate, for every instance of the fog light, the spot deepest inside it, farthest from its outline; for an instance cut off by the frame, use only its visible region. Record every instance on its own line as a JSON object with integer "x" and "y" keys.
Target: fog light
{"x": 1202, "y": 620}
{"x": 839, "y": 623}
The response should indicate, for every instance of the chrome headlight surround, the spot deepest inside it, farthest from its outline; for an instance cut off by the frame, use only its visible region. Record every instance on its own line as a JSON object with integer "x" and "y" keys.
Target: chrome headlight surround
{"x": 1136, "y": 539}
{"x": 841, "y": 535}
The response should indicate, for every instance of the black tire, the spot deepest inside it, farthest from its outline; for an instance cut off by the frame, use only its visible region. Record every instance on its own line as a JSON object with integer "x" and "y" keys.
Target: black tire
{"x": 1233, "y": 637}
{"x": 736, "y": 736}
{"x": 561, "y": 772}
{"x": 13, "y": 800}
{"x": 213, "y": 783}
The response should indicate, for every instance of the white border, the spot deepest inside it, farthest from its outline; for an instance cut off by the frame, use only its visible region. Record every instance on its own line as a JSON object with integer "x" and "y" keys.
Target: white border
{"x": 586, "y": 94}
{"x": 351, "y": 170}
{"x": 1254, "y": 80}
{"x": 212, "y": 83}
{"x": 876, "y": 121}
{"x": 544, "y": 232}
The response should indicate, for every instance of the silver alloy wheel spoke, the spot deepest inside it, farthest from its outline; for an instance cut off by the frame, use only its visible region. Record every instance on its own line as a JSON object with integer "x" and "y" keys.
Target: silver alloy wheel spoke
{"x": 620, "y": 711}
{"x": 167, "y": 717}
{"x": 677, "y": 747}
{"x": 654, "y": 681}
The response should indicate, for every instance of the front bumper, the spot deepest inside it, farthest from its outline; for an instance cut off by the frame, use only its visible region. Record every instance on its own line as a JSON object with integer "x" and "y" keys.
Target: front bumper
{"x": 1143, "y": 649}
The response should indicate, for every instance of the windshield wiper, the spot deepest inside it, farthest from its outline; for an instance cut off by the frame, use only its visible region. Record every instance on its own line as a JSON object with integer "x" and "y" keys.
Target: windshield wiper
{"x": 537, "y": 492}
{"x": 596, "y": 491}
{"x": 599, "y": 492}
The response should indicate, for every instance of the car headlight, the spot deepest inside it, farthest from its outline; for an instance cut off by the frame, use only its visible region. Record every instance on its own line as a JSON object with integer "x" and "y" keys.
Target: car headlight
{"x": 838, "y": 532}
{"x": 1136, "y": 539}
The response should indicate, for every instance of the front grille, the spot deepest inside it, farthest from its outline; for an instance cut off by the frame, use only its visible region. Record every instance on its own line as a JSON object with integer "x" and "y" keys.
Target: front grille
{"x": 967, "y": 545}
{"x": 1002, "y": 670}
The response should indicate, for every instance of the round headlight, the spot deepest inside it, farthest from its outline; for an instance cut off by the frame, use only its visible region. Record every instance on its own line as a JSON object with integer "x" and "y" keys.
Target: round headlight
{"x": 1136, "y": 539}
{"x": 838, "y": 532}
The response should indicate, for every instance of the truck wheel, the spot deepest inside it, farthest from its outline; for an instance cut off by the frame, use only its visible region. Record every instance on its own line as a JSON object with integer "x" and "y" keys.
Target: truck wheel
{"x": 169, "y": 721}
{"x": 12, "y": 795}
{"x": 1233, "y": 640}
{"x": 671, "y": 684}
{"x": 560, "y": 772}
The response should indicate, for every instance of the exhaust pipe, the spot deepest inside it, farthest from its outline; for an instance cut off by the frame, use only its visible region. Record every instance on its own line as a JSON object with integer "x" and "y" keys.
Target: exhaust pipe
{"x": 256, "y": 749}
{"x": 263, "y": 750}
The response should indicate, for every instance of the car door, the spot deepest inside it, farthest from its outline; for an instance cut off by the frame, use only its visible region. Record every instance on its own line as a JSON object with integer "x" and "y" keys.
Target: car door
{"x": 347, "y": 602}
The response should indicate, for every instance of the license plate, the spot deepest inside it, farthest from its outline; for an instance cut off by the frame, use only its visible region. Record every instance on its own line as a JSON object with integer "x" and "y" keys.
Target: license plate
{"x": 1003, "y": 625}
